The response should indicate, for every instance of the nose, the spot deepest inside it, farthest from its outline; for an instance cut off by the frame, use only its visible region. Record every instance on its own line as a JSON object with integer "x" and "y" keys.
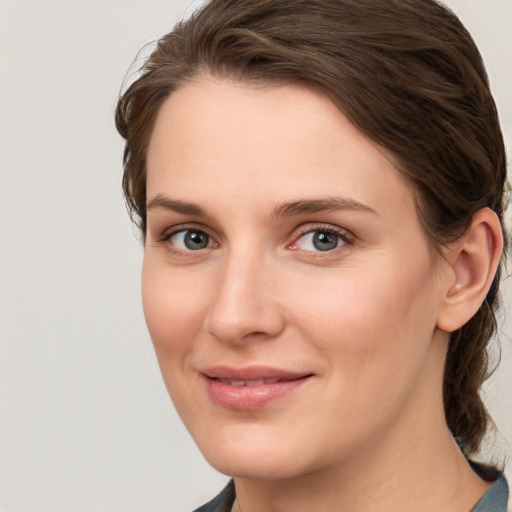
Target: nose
{"x": 245, "y": 304}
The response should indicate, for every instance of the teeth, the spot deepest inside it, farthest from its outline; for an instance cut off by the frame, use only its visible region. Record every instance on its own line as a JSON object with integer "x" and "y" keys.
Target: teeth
{"x": 238, "y": 383}
{"x": 255, "y": 382}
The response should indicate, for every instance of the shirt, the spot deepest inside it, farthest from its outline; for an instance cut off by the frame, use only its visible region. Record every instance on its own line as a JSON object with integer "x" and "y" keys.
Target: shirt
{"x": 494, "y": 500}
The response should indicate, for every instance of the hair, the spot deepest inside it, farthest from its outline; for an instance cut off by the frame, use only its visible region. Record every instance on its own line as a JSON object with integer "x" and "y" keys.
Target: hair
{"x": 406, "y": 73}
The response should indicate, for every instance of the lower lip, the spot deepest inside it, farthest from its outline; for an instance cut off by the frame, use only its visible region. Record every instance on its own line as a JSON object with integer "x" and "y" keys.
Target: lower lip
{"x": 250, "y": 398}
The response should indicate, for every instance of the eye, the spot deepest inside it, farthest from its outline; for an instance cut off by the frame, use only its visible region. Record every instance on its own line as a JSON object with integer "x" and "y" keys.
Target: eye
{"x": 190, "y": 240}
{"x": 322, "y": 240}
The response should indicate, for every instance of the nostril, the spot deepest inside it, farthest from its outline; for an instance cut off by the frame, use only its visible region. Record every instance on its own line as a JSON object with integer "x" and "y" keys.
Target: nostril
{"x": 255, "y": 334}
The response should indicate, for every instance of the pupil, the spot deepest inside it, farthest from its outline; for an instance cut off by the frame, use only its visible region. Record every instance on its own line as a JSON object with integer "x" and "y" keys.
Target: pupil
{"x": 196, "y": 240}
{"x": 324, "y": 241}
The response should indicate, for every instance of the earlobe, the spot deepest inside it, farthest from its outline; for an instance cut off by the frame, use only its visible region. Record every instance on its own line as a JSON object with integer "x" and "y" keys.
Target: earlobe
{"x": 474, "y": 260}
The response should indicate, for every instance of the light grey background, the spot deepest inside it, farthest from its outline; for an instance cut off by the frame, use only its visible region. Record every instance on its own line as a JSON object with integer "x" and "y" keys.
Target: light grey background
{"x": 85, "y": 421}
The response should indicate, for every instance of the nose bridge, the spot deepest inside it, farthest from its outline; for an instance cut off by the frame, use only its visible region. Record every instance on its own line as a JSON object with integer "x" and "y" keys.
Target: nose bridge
{"x": 244, "y": 304}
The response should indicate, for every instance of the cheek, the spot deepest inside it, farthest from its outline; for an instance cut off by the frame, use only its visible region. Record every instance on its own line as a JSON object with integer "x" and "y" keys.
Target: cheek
{"x": 370, "y": 319}
{"x": 173, "y": 309}
{"x": 374, "y": 332}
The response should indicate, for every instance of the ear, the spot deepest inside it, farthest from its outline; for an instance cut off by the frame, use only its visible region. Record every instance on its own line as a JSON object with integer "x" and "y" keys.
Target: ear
{"x": 474, "y": 260}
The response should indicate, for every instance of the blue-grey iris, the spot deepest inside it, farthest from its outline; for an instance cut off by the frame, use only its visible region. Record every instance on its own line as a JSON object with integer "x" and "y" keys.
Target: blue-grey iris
{"x": 195, "y": 240}
{"x": 325, "y": 241}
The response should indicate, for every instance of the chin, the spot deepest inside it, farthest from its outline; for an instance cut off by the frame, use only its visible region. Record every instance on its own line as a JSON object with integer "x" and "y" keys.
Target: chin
{"x": 242, "y": 449}
{"x": 256, "y": 467}
{"x": 262, "y": 453}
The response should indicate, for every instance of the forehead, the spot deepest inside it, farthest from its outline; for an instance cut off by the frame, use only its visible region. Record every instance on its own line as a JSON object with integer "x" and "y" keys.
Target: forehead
{"x": 242, "y": 139}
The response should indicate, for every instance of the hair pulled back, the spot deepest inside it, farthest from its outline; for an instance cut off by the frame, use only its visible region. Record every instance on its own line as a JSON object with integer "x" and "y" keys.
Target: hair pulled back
{"x": 406, "y": 73}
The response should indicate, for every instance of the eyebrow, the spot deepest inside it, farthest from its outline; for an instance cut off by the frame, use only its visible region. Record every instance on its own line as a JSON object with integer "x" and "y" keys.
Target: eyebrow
{"x": 166, "y": 203}
{"x": 287, "y": 209}
{"x": 319, "y": 205}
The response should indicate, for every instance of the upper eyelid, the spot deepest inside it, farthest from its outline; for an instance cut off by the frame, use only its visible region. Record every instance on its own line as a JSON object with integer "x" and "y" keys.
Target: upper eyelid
{"x": 173, "y": 230}
{"x": 301, "y": 231}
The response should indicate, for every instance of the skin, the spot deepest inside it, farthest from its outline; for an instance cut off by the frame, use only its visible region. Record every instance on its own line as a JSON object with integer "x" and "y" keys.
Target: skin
{"x": 367, "y": 430}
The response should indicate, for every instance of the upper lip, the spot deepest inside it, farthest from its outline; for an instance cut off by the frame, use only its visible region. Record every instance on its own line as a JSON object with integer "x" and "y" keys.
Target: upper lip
{"x": 250, "y": 373}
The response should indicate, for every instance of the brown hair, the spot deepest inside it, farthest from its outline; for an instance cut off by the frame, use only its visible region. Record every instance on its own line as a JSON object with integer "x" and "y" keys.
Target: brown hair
{"x": 406, "y": 73}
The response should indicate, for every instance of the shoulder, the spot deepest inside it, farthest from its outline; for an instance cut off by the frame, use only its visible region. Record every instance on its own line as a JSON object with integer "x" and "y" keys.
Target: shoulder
{"x": 222, "y": 502}
{"x": 495, "y": 499}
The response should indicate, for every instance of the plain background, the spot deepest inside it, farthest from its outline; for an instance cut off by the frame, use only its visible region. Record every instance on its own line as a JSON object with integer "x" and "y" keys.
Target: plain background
{"x": 85, "y": 421}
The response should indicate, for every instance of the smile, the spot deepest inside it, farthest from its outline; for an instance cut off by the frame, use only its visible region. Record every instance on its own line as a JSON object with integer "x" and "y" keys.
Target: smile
{"x": 251, "y": 388}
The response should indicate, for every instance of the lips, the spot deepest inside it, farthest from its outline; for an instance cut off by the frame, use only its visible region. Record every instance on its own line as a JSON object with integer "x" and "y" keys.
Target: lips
{"x": 251, "y": 388}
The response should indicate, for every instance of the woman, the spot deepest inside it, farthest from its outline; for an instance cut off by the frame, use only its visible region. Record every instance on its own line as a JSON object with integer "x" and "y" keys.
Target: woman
{"x": 319, "y": 185}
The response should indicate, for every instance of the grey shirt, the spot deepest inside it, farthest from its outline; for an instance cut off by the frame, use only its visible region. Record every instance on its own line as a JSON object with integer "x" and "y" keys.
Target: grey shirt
{"x": 494, "y": 500}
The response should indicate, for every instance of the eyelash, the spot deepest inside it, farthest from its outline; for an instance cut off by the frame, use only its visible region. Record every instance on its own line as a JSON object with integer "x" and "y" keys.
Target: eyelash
{"x": 346, "y": 238}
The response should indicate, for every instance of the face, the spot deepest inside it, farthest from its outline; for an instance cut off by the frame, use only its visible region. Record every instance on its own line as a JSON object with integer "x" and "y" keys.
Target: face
{"x": 287, "y": 283}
